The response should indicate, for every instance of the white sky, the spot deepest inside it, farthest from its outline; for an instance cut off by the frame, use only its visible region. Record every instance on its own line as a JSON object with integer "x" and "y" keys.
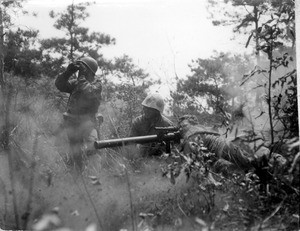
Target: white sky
{"x": 160, "y": 35}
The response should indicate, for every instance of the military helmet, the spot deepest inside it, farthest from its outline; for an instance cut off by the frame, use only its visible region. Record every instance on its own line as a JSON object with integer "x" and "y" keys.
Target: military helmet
{"x": 90, "y": 63}
{"x": 155, "y": 101}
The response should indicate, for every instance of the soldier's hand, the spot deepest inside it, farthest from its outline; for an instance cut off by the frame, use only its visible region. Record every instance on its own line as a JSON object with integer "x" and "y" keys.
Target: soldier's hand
{"x": 72, "y": 68}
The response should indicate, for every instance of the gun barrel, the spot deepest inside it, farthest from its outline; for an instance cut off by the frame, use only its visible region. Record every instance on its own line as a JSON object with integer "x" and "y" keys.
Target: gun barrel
{"x": 167, "y": 129}
{"x": 125, "y": 141}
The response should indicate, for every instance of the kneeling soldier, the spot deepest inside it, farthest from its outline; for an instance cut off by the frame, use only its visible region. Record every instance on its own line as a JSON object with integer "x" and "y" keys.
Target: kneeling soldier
{"x": 145, "y": 124}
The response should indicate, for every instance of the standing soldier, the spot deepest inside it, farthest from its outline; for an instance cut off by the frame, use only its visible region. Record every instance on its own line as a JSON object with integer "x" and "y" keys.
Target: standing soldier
{"x": 80, "y": 118}
{"x": 153, "y": 107}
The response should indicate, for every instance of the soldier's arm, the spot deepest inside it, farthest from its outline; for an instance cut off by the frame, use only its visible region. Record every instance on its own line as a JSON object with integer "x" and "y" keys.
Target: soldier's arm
{"x": 63, "y": 83}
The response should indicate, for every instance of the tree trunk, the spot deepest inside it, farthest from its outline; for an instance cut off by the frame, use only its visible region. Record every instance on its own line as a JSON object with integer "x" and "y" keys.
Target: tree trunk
{"x": 1, "y": 51}
{"x": 270, "y": 93}
{"x": 255, "y": 10}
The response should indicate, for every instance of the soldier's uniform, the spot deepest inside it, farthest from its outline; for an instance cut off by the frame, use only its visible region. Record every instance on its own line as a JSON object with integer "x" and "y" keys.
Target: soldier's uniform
{"x": 80, "y": 119}
{"x": 143, "y": 126}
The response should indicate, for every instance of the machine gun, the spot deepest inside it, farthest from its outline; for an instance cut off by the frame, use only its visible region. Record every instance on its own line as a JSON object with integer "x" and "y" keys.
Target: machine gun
{"x": 165, "y": 135}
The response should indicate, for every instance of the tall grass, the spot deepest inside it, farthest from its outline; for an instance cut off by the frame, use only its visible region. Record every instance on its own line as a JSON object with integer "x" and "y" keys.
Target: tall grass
{"x": 27, "y": 213}
{"x": 7, "y": 149}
